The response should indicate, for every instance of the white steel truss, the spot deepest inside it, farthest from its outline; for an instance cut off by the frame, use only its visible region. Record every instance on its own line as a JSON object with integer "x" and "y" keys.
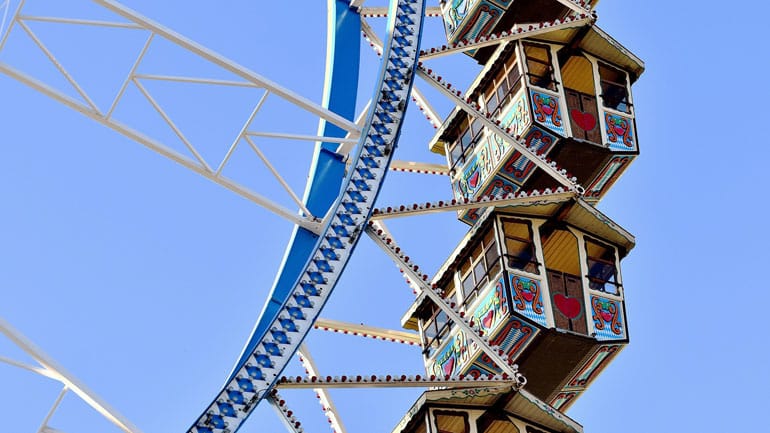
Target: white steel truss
{"x": 49, "y": 368}
{"x": 127, "y": 19}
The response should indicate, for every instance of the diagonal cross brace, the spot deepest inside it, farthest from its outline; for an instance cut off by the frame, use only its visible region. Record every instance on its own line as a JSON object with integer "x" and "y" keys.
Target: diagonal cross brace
{"x": 549, "y": 167}
{"x": 411, "y": 271}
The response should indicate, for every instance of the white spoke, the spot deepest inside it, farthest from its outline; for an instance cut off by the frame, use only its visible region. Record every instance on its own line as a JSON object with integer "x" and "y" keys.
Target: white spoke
{"x": 130, "y": 77}
{"x": 410, "y": 338}
{"x": 193, "y": 80}
{"x": 56, "y": 403}
{"x": 58, "y": 65}
{"x": 69, "y": 381}
{"x": 80, "y": 22}
{"x": 241, "y": 133}
{"x": 302, "y": 137}
{"x": 161, "y": 149}
{"x": 278, "y": 176}
{"x": 324, "y": 398}
{"x": 228, "y": 65}
{"x": 286, "y": 416}
{"x": 519, "y": 31}
{"x": 171, "y": 124}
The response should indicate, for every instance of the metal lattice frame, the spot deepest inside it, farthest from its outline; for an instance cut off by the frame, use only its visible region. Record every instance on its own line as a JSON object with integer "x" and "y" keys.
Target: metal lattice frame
{"x": 376, "y": 135}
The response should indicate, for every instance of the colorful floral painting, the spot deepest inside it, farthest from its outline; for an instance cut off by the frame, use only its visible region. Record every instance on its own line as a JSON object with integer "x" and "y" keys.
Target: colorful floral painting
{"x": 527, "y": 298}
{"x": 620, "y": 132}
{"x": 607, "y": 315}
{"x": 546, "y": 111}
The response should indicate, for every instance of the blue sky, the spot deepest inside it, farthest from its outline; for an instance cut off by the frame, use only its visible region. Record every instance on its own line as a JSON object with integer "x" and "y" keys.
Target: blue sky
{"x": 144, "y": 279}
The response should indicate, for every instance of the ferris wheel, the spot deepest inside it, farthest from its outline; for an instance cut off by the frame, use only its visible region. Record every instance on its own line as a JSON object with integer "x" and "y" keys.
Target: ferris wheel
{"x": 358, "y": 141}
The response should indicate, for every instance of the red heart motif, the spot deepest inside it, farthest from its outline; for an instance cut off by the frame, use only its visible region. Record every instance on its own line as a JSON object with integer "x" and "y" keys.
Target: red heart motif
{"x": 586, "y": 121}
{"x": 606, "y": 316}
{"x": 570, "y": 307}
{"x": 487, "y": 320}
{"x": 474, "y": 180}
{"x": 528, "y": 296}
{"x": 449, "y": 366}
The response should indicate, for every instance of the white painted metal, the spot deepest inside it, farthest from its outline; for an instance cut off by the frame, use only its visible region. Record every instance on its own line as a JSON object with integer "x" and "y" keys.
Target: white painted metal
{"x": 179, "y": 79}
{"x": 324, "y": 398}
{"x": 302, "y": 137}
{"x": 367, "y": 331}
{"x": 575, "y": 6}
{"x": 550, "y": 168}
{"x": 56, "y": 403}
{"x": 317, "y": 382}
{"x": 419, "y": 167}
{"x": 518, "y": 31}
{"x": 228, "y": 65}
{"x": 278, "y": 176}
{"x": 161, "y": 149}
{"x": 68, "y": 380}
{"x": 417, "y": 94}
{"x": 382, "y": 11}
{"x": 58, "y": 65}
{"x": 418, "y": 282}
{"x": 79, "y": 22}
{"x": 513, "y": 199}
{"x": 285, "y": 415}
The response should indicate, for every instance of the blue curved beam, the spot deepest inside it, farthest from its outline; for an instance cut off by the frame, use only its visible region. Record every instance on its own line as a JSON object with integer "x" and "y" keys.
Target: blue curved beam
{"x": 327, "y": 170}
{"x": 262, "y": 368}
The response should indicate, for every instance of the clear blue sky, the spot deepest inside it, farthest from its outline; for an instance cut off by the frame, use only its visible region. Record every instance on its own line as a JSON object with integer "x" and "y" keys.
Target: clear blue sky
{"x": 144, "y": 279}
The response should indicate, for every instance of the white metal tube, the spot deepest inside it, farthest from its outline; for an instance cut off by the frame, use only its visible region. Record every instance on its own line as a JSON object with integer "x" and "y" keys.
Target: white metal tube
{"x": 171, "y": 124}
{"x": 33, "y": 369}
{"x": 230, "y": 66}
{"x": 241, "y": 132}
{"x": 80, "y": 22}
{"x": 4, "y": 37}
{"x": 278, "y": 177}
{"x": 56, "y": 403}
{"x": 302, "y": 137}
{"x": 130, "y": 76}
{"x": 179, "y": 79}
{"x": 58, "y": 65}
{"x": 160, "y": 148}
{"x": 327, "y": 404}
{"x": 66, "y": 378}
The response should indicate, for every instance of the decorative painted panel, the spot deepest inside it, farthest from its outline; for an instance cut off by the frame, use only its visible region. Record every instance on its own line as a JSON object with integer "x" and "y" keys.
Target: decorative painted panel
{"x": 476, "y": 171}
{"x": 492, "y": 310}
{"x": 620, "y": 132}
{"x": 527, "y": 298}
{"x": 479, "y": 20}
{"x": 517, "y": 117}
{"x": 499, "y": 186}
{"x": 518, "y": 168}
{"x": 593, "y": 367}
{"x": 514, "y": 337}
{"x": 455, "y": 356}
{"x": 477, "y": 371}
{"x": 455, "y": 14}
{"x": 608, "y": 176}
{"x": 546, "y": 111}
{"x": 564, "y": 399}
{"x": 607, "y": 315}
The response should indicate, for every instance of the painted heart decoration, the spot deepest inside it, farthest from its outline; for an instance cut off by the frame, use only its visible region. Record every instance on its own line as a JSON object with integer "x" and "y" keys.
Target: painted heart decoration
{"x": 487, "y": 320}
{"x": 449, "y": 366}
{"x": 528, "y": 296}
{"x": 586, "y": 121}
{"x": 474, "y": 180}
{"x": 606, "y": 316}
{"x": 570, "y": 307}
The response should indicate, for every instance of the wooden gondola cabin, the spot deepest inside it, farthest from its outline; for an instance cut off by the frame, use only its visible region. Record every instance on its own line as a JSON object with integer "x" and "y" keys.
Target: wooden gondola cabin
{"x": 543, "y": 281}
{"x": 567, "y": 95}
{"x": 484, "y": 410}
